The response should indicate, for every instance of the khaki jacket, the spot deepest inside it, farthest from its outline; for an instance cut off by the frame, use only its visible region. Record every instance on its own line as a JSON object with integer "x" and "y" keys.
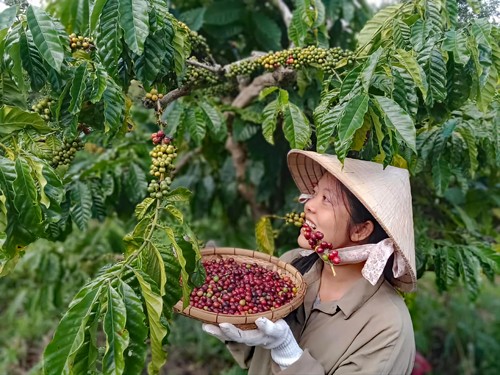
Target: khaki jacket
{"x": 367, "y": 332}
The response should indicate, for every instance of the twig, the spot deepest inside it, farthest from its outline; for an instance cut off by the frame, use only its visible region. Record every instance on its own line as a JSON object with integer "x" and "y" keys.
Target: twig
{"x": 285, "y": 11}
{"x": 174, "y": 95}
{"x": 186, "y": 158}
{"x": 214, "y": 69}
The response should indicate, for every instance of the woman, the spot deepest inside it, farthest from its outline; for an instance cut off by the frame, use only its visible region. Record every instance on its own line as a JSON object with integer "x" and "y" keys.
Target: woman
{"x": 352, "y": 320}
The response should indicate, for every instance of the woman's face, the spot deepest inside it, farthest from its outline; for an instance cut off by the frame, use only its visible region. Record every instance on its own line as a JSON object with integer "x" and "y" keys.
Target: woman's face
{"x": 327, "y": 213}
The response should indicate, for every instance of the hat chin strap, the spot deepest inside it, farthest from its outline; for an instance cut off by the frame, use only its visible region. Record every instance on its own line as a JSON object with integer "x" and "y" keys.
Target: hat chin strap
{"x": 376, "y": 257}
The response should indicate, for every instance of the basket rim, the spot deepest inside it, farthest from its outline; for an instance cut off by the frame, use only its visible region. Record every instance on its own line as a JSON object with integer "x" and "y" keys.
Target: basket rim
{"x": 247, "y": 319}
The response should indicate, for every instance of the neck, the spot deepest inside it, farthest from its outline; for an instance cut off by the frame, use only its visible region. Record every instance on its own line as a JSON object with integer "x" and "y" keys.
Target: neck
{"x": 334, "y": 287}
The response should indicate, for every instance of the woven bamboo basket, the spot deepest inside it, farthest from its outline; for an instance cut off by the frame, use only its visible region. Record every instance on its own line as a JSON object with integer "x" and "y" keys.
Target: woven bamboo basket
{"x": 247, "y": 321}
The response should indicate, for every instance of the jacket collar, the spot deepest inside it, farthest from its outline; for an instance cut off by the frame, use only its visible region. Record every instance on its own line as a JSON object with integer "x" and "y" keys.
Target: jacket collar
{"x": 359, "y": 293}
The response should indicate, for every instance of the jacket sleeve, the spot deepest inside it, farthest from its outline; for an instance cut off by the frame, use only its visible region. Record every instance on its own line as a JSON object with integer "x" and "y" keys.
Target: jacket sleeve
{"x": 241, "y": 353}
{"x": 381, "y": 357}
{"x": 306, "y": 364}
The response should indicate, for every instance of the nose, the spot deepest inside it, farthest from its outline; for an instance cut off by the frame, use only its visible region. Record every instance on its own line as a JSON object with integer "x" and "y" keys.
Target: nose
{"x": 309, "y": 205}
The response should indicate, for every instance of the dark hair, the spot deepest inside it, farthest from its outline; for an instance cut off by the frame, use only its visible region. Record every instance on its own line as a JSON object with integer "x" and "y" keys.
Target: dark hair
{"x": 359, "y": 214}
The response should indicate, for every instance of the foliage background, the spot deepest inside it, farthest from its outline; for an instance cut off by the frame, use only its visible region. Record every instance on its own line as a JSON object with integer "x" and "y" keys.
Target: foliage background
{"x": 456, "y": 209}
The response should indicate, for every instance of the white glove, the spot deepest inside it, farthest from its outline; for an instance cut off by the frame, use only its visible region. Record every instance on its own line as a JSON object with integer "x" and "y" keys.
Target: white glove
{"x": 215, "y": 331}
{"x": 274, "y": 336}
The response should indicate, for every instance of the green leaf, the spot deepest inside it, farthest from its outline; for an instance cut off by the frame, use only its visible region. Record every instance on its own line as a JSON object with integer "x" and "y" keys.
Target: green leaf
{"x": 142, "y": 208}
{"x": 99, "y": 79}
{"x": 369, "y": 68}
{"x": 10, "y": 94}
{"x": 350, "y": 82}
{"x": 456, "y": 42}
{"x": 266, "y": 91}
{"x": 179, "y": 194}
{"x": 26, "y": 197}
{"x": 70, "y": 334}
{"x": 266, "y": 31}
{"x": 195, "y": 124}
{"x": 117, "y": 337}
{"x": 452, "y": 13}
{"x": 351, "y": 120}
{"x": 397, "y": 119}
{"x": 193, "y": 18}
{"x": 421, "y": 35}
{"x": 134, "y": 21}
{"x": 215, "y": 118}
{"x": 410, "y": 64}
{"x": 401, "y": 34}
{"x": 182, "y": 50}
{"x": 376, "y": 23}
{"x": 298, "y": 28}
{"x": 7, "y": 177}
{"x": 441, "y": 174}
{"x": 296, "y": 128}
{"x": 435, "y": 70}
{"x": 45, "y": 36}
{"x": 95, "y": 13}
{"x": 85, "y": 359}
{"x": 152, "y": 264}
{"x": 270, "y": 113}
{"x": 149, "y": 64}
{"x": 179, "y": 254}
{"x": 488, "y": 89}
{"x": 175, "y": 213}
{"x": 481, "y": 29}
{"x": 467, "y": 133}
{"x": 114, "y": 107}
{"x": 13, "y": 119}
{"x": 138, "y": 332}
{"x": 12, "y": 55}
{"x": 174, "y": 114}
{"x": 55, "y": 192}
{"x": 32, "y": 62}
{"x": 81, "y": 204}
{"x": 264, "y": 235}
{"x": 109, "y": 33}
{"x": 135, "y": 182}
{"x": 325, "y": 128}
{"x": 7, "y": 17}
{"x": 224, "y": 12}
{"x": 78, "y": 87}
{"x": 154, "y": 307}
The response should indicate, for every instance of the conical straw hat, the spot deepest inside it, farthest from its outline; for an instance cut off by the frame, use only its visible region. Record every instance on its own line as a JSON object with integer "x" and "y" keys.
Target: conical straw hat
{"x": 384, "y": 192}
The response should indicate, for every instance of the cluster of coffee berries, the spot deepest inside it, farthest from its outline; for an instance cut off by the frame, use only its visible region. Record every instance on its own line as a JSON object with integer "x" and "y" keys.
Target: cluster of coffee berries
{"x": 162, "y": 166}
{"x": 327, "y": 60}
{"x": 160, "y": 137}
{"x": 159, "y": 189}
{"x": 323, "y": 248}
{"x": 199, "y": 77}
{"x": 152, "y": 98}
{"x": 67, "y": 152}
{"x": 241, "y": 288}
{"x": 199, "y": 45}
{"x": 295, "y": 218}
{"x": 77, "y": 42}
{"x": 43, "y": 108}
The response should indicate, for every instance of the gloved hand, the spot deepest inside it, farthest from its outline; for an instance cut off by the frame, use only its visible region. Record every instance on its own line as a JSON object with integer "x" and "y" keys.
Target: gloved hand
{"x": 274, "y": 336}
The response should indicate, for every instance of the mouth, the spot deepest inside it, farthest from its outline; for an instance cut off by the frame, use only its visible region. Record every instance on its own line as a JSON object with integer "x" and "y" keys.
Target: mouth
{"x": 310, "y": 224}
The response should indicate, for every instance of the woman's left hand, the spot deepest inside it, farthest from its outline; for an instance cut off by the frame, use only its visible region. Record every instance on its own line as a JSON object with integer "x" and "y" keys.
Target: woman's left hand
{"x": 276, "y": 336}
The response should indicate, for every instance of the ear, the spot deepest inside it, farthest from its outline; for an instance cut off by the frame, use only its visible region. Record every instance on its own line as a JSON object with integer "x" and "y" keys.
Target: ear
{"x": 362, "y": 231}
